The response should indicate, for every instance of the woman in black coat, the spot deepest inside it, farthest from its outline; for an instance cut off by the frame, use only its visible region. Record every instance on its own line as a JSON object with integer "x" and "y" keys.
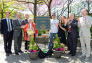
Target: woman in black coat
{"x": 62, "y": 30}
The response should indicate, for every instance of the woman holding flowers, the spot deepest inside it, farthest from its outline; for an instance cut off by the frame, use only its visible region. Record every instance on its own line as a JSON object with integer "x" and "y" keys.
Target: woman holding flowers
{"x": 29, "y": 31}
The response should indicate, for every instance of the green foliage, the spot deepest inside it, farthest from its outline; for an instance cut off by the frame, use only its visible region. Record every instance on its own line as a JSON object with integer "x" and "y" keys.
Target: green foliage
{"x": 45, "y": 50}
{"x": 32, "y": 41}
{"x": 32, "y": 44}
{"x": 57, "y": 38}
{"x": 91, "y": 27}
{"x": 91, "y": 31}
{"x": 11, "y": 6}
{"x": 57, "y": 43}
{"x": 41, "y": 32}
{"x": 33, "y": 47}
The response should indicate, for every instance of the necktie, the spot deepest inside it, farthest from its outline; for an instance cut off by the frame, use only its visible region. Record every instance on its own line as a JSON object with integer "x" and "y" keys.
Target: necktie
{"x": 19, "y": 21}
{"x": 9, "y": 25}
{"x": 69, "y": 29}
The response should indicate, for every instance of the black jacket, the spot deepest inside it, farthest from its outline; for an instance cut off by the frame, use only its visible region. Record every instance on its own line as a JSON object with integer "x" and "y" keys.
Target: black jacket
{"x": 74, "y": 29}
{"x": 4, "y": 26}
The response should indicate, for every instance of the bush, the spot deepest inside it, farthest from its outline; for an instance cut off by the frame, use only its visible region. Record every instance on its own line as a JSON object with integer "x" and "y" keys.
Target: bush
{"x": 32, "y": 45}
{"x": 40, "y": 32}
{"x": 57, "y": 43}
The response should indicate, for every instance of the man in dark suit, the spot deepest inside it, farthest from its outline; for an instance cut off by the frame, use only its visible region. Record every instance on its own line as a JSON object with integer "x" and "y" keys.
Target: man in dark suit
{"x": 7, "y": 33}
{"x": 72, "y": 34}
{"x": 24, "y": 22}
{"x": 17, "y": 34}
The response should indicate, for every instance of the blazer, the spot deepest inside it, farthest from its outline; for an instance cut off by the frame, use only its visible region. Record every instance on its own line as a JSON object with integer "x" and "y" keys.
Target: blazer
{"x": 24, "y": 22}
{"x": 4, "y": 26}
{"x": 84, "y": 26}
{"x": 74, "y": 29}
{"x": 17, "y": 28}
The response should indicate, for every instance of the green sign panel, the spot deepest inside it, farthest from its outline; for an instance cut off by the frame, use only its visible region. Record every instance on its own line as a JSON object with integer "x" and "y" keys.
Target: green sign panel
{"x": 43, "y": 23}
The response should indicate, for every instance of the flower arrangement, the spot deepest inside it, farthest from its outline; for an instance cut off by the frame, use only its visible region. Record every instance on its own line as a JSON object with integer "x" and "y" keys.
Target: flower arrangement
{"x": 57, "y": 45}
{"x": 58, "y": 48}
{"x": 32, "y": 46}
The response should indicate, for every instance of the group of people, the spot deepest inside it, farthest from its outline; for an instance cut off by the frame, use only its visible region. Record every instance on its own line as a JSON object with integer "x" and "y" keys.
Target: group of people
{"x": 69, "y": 30}
{"x": 12, "y": 29}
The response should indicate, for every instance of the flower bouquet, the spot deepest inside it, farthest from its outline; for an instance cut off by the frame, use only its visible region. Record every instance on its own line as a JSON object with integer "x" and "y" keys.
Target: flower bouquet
{"x": 33, "y": 49}
{"x": 58, "y": 48}
{"x": 30, "y": 32}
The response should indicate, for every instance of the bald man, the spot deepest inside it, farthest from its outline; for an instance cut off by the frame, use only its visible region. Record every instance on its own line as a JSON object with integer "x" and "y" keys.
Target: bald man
{"x": 85, "y": 23}
{"x": 72, "y": 34}
{"x": 17, "y": 34}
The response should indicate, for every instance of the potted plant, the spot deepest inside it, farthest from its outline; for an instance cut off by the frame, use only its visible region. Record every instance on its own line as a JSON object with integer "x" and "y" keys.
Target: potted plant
{"x": 58, "y": 47}
{"x": 33, "y": 49}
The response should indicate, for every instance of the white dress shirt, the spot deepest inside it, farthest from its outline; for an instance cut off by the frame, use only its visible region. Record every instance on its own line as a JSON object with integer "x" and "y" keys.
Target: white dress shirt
{"x": 9, "y": 24}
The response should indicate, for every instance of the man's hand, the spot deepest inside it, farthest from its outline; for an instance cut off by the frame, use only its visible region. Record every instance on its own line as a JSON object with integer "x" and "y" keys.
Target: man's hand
{"x": 64, "y": 29}
{"x": 78, "y": 19}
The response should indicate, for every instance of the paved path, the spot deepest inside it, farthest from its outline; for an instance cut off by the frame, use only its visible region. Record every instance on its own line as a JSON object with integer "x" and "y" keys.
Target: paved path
{"x": 24, "y": 57}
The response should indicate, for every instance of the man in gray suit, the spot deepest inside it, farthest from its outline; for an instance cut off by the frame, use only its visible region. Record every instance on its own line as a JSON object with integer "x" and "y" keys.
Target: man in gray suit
{"x": 17, "y": 34}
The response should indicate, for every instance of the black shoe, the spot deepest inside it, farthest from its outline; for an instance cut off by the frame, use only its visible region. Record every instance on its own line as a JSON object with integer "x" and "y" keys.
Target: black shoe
{"x": 10, "y": 52}
{"x": 72, "y": 54}
{"x": 26, "y": 50}
{"x": 7, "y": 54}
{"x": 20, "y": 51}
{"x": 17, "y": 53}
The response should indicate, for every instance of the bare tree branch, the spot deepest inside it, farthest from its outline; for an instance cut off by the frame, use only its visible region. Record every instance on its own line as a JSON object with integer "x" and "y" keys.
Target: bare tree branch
{"x": 45, "y": 2}
{"x": 24, "y": 1}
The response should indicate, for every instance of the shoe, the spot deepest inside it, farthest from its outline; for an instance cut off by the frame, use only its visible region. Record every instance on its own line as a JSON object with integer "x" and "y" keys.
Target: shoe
{"x": 7, "y": 54}
{"x": 10, "y": 52}
{"x": 17, "y": 53}
{"x": 72, "y": 54}
{"x": 26, "y": 50}
{"x": 69, "y": 53}
{"x": 82, "y": 56}
{"x": 87, "y": 58}
{"x": 20, "y": 51}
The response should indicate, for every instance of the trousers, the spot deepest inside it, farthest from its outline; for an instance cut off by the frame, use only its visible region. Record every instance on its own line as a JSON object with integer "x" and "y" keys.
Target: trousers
{"x": 85, "y": 46}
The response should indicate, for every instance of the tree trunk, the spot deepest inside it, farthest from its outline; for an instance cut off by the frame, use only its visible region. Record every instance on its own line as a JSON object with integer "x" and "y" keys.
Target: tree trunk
{"x": 35, "y": 9}
{"x": 68, "y": 9}
{"x": 49, "y": 8}
{"x": 88, "y": 6}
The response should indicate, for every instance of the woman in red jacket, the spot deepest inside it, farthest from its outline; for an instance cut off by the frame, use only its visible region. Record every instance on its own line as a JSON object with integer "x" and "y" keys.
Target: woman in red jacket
{"x": 35, "y": 30}
{"x": 30, "y": 30}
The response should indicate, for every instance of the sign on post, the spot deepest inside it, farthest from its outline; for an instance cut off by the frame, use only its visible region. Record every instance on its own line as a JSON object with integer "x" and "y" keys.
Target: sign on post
{"x": 42, "y": 23}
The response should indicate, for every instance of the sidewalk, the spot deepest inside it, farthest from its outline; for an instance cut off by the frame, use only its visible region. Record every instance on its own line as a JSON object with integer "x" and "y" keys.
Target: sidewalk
{"x": 24, "y": 58}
